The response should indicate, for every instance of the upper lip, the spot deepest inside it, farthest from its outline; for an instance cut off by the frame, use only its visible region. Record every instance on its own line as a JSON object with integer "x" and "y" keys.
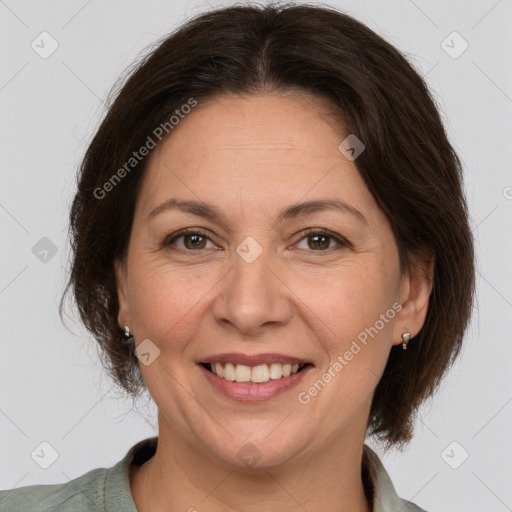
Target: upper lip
{"x": 253, "y": 359}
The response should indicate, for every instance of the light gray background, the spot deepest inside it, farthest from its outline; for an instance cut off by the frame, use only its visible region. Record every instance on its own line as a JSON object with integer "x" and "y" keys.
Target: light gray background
{"x": 52, "y": 387}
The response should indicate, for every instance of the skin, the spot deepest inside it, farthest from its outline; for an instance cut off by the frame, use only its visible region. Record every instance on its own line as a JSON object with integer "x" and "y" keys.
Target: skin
{"x": 251, "y": 156}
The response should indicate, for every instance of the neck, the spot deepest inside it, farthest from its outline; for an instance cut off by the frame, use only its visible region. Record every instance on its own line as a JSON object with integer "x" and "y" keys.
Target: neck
{"x": 329, "y": 481}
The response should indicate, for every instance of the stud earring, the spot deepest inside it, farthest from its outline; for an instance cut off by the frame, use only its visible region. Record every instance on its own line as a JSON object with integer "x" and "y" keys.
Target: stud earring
{"x": 128, "y": 338}
{"x": 406, "y": 336}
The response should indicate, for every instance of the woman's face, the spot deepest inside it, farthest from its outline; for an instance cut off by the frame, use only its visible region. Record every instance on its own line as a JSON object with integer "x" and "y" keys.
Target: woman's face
{"x": 263, "y": 281}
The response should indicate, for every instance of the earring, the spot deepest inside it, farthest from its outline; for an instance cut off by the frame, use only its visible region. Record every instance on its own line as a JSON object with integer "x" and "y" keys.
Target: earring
{"x": 406, "y": 336}
{"x": 128, "y": 338}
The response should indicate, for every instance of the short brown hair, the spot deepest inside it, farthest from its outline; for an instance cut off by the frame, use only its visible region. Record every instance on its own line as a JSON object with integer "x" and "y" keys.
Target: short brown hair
{"x": 409, "y": 166}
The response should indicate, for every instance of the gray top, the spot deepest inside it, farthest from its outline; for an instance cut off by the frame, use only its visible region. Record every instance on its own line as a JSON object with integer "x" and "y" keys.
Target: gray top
{"x": 108, "y": 489}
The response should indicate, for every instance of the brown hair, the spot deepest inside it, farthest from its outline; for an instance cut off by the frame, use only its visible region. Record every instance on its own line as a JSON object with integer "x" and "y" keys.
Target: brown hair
{"x": 409, "y": 166}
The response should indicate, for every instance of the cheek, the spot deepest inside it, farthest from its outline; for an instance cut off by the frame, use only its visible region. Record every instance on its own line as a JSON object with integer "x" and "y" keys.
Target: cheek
{"x": 346, "y": 317}
{"x": 354, "y": 308}
{"x": 165, "y": 303}
{"x": 351, "y": 298}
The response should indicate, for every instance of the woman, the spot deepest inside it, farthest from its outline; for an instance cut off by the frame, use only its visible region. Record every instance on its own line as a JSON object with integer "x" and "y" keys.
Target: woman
{"x": 270, "y": 235}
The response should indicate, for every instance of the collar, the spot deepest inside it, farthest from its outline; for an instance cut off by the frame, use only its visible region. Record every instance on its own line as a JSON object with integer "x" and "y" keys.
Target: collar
{"x": 378, "y": 485}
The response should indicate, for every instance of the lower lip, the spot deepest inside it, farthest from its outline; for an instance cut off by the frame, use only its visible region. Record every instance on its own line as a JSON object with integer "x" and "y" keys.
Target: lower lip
{"x": 251, "y": 392}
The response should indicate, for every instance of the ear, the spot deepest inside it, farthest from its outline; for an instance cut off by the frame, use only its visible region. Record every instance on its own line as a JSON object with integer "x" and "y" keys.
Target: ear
{"x": 415, "y": 289}
{"x": 124, "y": 314}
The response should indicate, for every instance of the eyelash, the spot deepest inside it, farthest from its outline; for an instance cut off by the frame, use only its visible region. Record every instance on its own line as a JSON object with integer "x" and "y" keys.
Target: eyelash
{"x": 342, "y": 242}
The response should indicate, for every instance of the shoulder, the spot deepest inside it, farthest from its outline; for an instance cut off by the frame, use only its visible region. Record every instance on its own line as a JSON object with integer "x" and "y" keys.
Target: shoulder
{"x": 98, "y": 490}
{"x": 385, "y": 498}
{"x": 84, "y": 493}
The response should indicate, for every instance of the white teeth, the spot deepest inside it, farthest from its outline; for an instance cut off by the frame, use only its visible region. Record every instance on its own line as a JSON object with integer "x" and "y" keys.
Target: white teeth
{"x": 276, "y": 371}
{"x": 219, "y": 370}
{"x": 257, "y": 374}
{"x": 242, "y": 373}
{"x": 287, "y": 370}
{"x": 229, "y": 372}
{"x": 260, "y": 373}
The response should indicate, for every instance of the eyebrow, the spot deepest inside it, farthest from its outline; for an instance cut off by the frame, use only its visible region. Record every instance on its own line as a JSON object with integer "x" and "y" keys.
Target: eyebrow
{"x": 212, "y": 213}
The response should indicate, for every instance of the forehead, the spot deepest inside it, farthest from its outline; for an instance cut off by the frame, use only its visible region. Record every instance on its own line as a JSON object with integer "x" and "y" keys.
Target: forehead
{"x": 268, "y": 150}
{"x": 278, "y": 122}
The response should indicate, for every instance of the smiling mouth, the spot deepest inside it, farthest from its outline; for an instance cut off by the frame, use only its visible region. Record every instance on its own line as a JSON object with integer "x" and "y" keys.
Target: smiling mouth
{"x": 253, "y": 374}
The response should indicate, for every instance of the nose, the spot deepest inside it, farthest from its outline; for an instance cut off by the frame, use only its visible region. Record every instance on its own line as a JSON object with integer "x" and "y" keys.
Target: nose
{"x": 253, "y": 297}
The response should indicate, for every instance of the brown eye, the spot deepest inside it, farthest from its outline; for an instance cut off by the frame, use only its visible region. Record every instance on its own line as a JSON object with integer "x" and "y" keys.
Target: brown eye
{"x": 318, "y": 242}
{"x": 192, "y": 240}
{"x": 321, "y": 241}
